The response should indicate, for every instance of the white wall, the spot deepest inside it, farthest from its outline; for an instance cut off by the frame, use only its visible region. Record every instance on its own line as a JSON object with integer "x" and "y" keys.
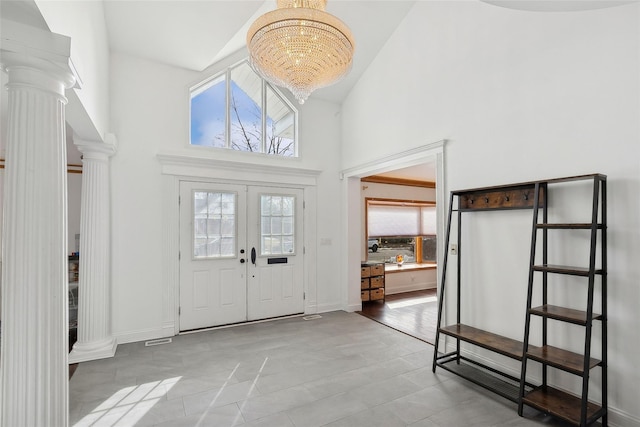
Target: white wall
{"x": 519, "y": 96}
{"x": 83, "y": 21}
{"x": 150, "y": 115}
{"x": 410, "y": 280}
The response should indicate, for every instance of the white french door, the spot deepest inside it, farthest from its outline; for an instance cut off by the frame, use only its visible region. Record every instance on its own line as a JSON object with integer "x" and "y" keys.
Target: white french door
{"x": 240, "y": 253}
{"x": 212, "y": 234}
{"x": 275, "y": 270}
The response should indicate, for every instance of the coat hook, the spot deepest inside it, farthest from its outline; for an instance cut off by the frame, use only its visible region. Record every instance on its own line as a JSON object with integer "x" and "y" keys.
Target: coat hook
{"x": 526, "y": 196}
{"x": 486, "y": 200}
{"x": 506, "y": 197}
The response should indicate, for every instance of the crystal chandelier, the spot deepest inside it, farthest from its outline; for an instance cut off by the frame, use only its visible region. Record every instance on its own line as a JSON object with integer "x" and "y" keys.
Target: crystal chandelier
{"x": 300, "y": 46}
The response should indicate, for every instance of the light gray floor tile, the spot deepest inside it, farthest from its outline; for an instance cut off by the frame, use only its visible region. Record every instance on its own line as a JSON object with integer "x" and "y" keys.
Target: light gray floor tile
{"x": 376, "y": 393}
{"x": 426, "y": 422}
{"x": 375, "y": 417}
{"x": 326, "y": 410}
{"x": 431, "y": 400}
{"x": 189, "y": 386}
{"x": 197, "y": 403}
{"x": 278, "y": 401}
{"x": 425, "y": 377}
{"x": 386, "y": 369}
{"x": 421, "y": 358}
{"x": 276, "y": 420}
{"x": 340, "y": 370}
{"x": 477, "y": 412}
{"x": 338, "y": 383}
{"x": 223, "y": 416}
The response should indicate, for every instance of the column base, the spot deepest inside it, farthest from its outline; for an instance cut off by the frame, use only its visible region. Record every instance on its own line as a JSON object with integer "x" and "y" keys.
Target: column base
{"x": 94, "y": 350}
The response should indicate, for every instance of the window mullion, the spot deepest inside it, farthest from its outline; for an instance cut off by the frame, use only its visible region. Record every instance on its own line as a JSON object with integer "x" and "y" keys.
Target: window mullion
{"x": 263, "y": 117}
{"x": 227, "y": 118}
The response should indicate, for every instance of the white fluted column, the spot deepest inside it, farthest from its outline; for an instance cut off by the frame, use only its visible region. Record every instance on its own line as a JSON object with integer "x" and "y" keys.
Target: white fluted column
{"x": 95, "y": 340}
{"x": 33, "y": 360}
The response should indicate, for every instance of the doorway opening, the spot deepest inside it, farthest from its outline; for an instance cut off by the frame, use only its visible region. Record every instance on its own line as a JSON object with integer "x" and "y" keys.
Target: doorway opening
{"x": 414, "y": 179}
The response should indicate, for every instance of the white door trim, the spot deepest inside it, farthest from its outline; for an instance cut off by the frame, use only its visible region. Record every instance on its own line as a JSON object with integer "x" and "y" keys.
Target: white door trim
{"x": 176, "y": 167}
{"x": 352, "y": 224}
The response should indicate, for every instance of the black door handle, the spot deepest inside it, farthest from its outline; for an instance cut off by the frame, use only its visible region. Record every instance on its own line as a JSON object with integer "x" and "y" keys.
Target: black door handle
{"x": 253, "y": 256}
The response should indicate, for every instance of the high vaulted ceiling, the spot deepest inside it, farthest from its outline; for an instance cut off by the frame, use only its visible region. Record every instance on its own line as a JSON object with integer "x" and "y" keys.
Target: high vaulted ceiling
{"x": 196, "y": 34}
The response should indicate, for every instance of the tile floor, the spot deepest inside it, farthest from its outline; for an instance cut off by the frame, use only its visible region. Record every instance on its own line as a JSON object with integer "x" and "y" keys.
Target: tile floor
{"x": 340, "y": 370}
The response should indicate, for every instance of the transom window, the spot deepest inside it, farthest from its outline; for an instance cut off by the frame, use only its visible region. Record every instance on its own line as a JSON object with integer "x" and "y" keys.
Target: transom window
{"x": 239, "y": 110}
{"x": 277, "y": 227}
{"x": 214, "y": 224}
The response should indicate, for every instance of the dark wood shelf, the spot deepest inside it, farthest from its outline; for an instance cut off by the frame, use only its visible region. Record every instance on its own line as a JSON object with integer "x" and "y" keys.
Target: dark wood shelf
{"x": 568, "y": 226}
{"x": 494, "y": 342}
{"x": 561, "y": 404}
{"x": 530, "y": 184}
{"x": 561, "y": 359}
{"x": 563, "y": 314}
{"x": 564, "y": 269}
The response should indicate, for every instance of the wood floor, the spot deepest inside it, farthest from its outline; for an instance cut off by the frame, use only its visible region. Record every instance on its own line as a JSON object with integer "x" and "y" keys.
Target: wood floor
{"x": 414, "y": 313}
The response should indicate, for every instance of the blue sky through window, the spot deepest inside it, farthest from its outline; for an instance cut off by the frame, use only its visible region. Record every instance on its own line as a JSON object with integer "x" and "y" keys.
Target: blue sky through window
{"x": 209, "y": 111}
{"x": 208, "y": 116}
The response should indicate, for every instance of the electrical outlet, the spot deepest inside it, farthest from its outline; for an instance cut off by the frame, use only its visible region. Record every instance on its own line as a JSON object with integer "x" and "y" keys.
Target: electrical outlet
{"x": 453, "y": 249}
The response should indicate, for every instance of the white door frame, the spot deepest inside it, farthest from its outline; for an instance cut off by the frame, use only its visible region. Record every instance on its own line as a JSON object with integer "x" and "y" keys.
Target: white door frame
{"x": 353, "y": 217}
{"x": 176, "y": 167}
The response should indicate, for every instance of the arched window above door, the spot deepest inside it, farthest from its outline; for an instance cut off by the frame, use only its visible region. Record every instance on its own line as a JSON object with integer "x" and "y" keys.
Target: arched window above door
{"x": 239, "y": 110}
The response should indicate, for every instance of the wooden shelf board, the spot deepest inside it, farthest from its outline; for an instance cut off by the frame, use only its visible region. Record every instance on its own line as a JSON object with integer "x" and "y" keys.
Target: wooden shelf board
{"x": 561, "y": 359}
{"x": 562, "y": 405}
{"x": 532, "y": 183}
{"x": 564, "y": 269}
{"x": 494, "y": 342}
{"x": 564, "y": 314}
{"x": 568, "y": 226}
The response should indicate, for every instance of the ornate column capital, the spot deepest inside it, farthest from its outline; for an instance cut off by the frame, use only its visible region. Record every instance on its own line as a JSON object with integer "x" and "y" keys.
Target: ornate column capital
{"x": 36, "y": 57}
{"x": 95, "y": 150}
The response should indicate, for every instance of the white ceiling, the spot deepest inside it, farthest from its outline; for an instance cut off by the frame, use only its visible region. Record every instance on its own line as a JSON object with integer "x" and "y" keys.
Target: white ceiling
{"x": 422, "y": 172}
{"x": 557, "y": 5}
{"x": 196, "y": 34}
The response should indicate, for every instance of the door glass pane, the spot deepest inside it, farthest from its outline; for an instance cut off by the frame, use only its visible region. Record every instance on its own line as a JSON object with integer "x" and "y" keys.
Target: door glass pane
{"x": 277, "y": 225}
{"x": 214, "y": 224}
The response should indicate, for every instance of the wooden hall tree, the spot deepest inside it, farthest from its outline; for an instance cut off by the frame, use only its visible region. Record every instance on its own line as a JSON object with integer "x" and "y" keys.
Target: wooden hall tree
{"x": 535, "y": 195}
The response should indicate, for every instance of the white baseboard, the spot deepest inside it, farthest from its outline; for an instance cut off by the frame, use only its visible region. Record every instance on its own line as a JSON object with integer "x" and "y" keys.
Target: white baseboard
{"x": 142, "y": 335}
{"x": 169, "y": 329}
{"x": 352, "y": 307}
{"x": 410, "y": 288}
{"x": 620, "y": 418}
{"x": 324, "y": 308}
